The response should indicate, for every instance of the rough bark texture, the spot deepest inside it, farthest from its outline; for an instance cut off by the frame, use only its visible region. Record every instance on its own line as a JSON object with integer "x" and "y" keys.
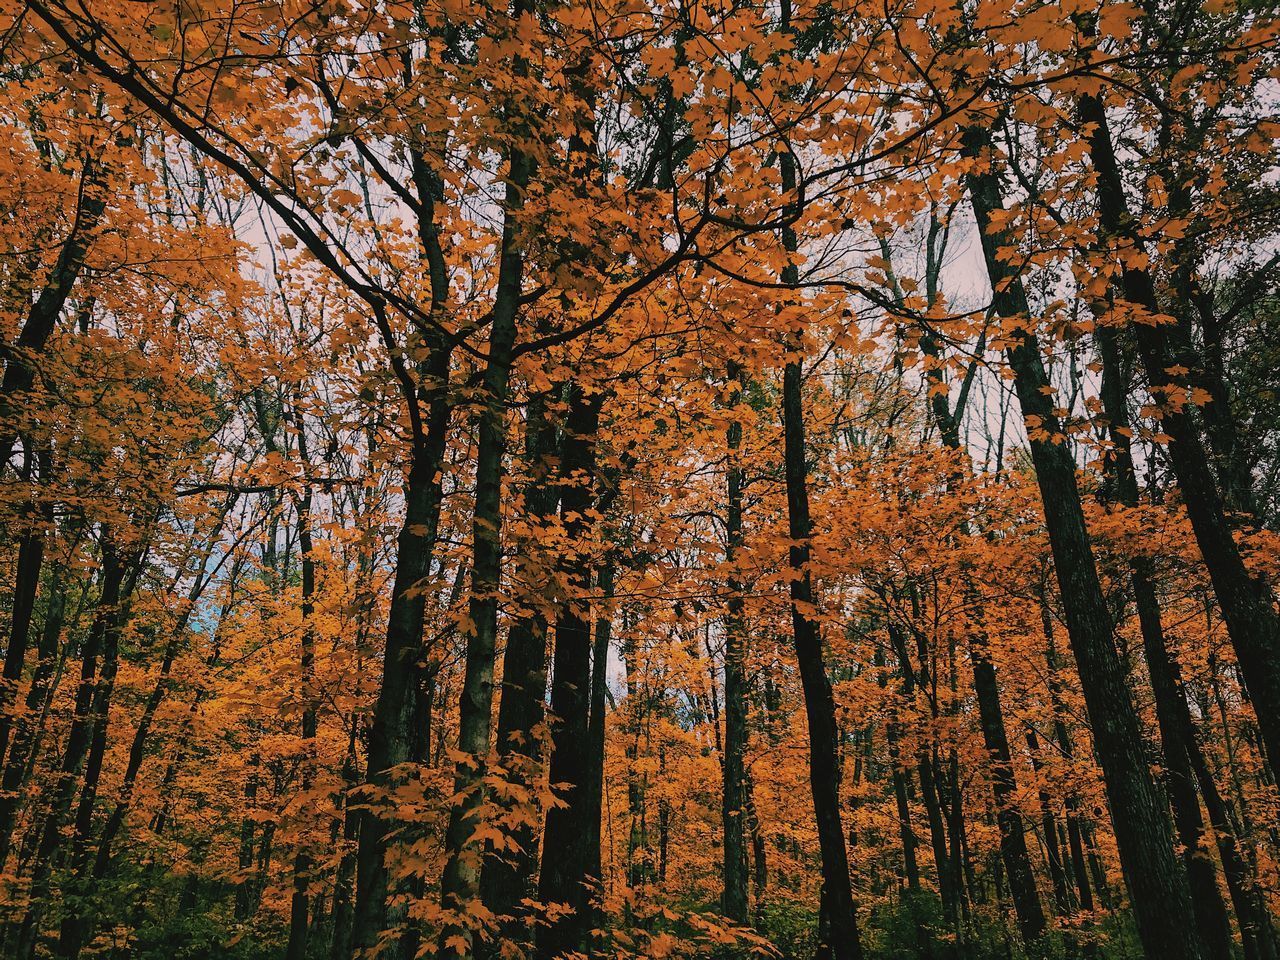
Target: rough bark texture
{"x": 506, "y": 880}
{"x": 1246, "y": 601}
{"x": 734, "y": 797}
{"x": 565, "y": 875}
{"x": 461, "y": 881}
{"x": 1139, "y": 809}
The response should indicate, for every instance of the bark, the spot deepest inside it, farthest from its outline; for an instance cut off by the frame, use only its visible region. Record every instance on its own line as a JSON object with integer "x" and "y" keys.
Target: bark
{"x": 838, "y": 928}
{"x": 638, "y": 867}
{"x": 1256, "y": 930}
{"x": 460, "y": 884}
{"x": 299, "y": 902}
{"x": 733, "y": 807}
{"x": 1013, "y": 840}
{"x": 1211, "y": 917}
{"x": 594, "y": 805}
{"x": 396, "y": 713}
{"x": 244, "y": 858}
{"x": 1049, "y": 827}
{"x": 927, "y": 773}
{"x": 1246, "y": 601}
{"x": 344, "y": 882}
{"x": 26, "y": 580}
{"x": 841, "y": 941}
{"x": 86, "y": 741}
{"x": 20, "y": 358}
{"x": 507, "y": 879}
{"x": 1144, "y": 837}
{"x": 565, "y": 877}
{"x": 27, "y": 730}
{"x": 1062, "y": 736}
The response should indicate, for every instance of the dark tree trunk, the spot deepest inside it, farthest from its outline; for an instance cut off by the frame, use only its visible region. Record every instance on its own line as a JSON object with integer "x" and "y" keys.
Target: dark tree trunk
{"x": 460, "y": 884}
{"x": 396, "y": 714}
{"x": 26, "y": 580}
{"x": 594, "y": 805}
{"x": 1013, "y": 839}
{"x": 299, "y": 903}
{"x": 1049, "y": 827}
{"x": 21, "y": 361}
{"x": 733, "y": 807}
{"x": 1256, "y": 930}
{"x": 244, "y": 856}
{"x": 1210, "y": 913}
{"x": 1144, "y": 836}
{"x": 86, "y": 741}
{"x": 564, "y": 878}
{"x": 508, "y": 879}
{"x": 927, "y": 773}
{"x": 344, "y": 882}
{"x": 1246, "y": 601}
{"x": 38, "y": 695}
{"x": 841, "y": 941}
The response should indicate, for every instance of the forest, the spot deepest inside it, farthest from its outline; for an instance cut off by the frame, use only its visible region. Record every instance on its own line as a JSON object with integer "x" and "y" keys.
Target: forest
{"x": 553, "y": 479}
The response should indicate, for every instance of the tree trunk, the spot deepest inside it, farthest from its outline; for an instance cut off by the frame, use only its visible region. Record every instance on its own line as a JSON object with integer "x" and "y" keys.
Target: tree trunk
{"x": 26, "y": 580}
{"x": 343, "y": 884}
{"x": 841, "y": 941}
{"x": 508, "y": 879}
{"x": 460, "y": 884}
{"x": 1049, "y": 827}
{"x": 564, "y": 878}
{"x": 594, "y": 806}
{"x": 86, "y": 740}
{"x": 1246, "y": 601}
{"x": 1139, "y": 810}
{"x": 733, "y": 806}
{"x": 37, "y": 699}
{"x": 396, "y": 715}
{"x": 296, "y": 948}
{"x": 22, "y": 359}
{"x": 1013, "y": 839}
{"x": 1210, "y": 913}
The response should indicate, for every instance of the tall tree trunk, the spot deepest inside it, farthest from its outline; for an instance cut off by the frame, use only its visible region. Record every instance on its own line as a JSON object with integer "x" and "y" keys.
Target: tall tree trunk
{"x": 734, "y": 799}
{"x": 86, "y": 740}
{"x": 395, "y": 714}
{"x": 296, "y": 948}
{"x": 1049, "y": 827}
{"x": 1139, "y": 810}
{"x": 1211, "y": 917}
{"x": 638, "y": 866}
{"x": 838, "y": 928}
{"x": 927, "y": 773}
{"x": 841, "y": 941}
{"x": 460, "y": 884}
{"x": 1013, "y": 839}
{"x": 344, "y": 882}
{"x": 508, "y": 879}
{"x": 1247, "y": 601}
{"x": 1256, "y": 930}
{"x": 564, "y": 878}
{"x": 244, "y": 857}
{"x": 1062, "y": 736}
{"x": 600, "y": 643}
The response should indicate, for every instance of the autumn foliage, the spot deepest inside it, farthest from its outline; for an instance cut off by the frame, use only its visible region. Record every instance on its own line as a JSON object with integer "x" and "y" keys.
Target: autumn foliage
{"x": 639, "y": 478}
